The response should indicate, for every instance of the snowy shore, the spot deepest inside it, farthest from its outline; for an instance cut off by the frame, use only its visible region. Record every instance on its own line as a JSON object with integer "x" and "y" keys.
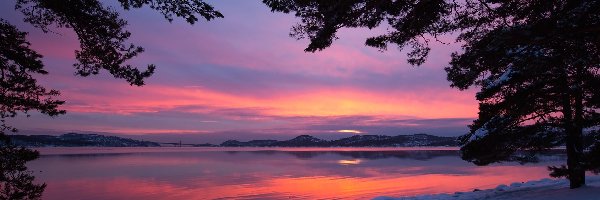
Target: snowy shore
{"x": 547, "y": 189}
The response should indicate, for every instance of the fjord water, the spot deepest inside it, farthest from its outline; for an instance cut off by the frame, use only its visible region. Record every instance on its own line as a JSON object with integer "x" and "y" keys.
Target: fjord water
{"x": 273, "y": 173}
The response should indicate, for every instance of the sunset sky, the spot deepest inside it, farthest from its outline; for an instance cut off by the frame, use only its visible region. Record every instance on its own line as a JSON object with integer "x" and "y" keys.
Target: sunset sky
{"x": 242, "y": 77}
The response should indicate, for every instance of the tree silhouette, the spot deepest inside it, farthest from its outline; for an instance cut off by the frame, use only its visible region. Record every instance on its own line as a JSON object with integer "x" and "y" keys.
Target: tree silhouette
{"x": 103, "y": 46}
{"x": 539, "y": 81}
{"x": 410, "y": 21}
{"x": 537, "y": 64}
{"x": 19, "y": 91}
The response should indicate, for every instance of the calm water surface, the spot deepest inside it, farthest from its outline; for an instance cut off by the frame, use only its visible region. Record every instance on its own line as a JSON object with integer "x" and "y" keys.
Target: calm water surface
{"x": 260, "y": 173}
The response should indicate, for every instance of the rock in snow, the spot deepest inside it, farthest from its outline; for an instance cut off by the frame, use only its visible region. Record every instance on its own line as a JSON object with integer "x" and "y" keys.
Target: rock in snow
{"x": 547, "y": 189}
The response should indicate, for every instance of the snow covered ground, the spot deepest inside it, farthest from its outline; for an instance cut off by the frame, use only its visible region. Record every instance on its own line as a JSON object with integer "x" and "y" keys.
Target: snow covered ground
{"x": 547, "y": 189}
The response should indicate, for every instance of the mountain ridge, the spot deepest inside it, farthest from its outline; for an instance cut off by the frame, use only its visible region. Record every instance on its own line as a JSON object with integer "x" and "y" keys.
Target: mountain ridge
{"x": 353, "y": 141}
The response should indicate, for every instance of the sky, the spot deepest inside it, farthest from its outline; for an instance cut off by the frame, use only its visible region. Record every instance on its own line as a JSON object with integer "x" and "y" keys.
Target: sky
{"x": 242, "y": 77}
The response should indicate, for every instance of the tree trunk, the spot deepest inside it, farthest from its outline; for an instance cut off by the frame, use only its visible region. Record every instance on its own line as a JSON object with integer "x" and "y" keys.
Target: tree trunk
{"x": 574, "y": 128}
{"x": 574, "y": 157}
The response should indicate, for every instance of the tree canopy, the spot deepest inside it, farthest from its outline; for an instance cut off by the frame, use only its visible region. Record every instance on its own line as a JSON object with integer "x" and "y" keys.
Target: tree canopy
{"x": 536, "y": 64}
{"x": 102, "y": 33}
{"x": 410, "y": 21}
{"x": 19, "y": 90}
{"x": 103, "y": 46}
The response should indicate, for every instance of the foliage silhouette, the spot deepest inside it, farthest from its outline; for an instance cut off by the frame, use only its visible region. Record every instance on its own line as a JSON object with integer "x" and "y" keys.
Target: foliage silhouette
{"x": 537, "y": 64}
{"x": 103, "y": 46}
{"x": 410, "y": 21}
{"x": 19, "y": 91}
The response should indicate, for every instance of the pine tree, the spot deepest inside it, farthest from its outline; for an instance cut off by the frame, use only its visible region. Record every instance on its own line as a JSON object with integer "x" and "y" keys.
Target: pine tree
{"x": 537, "y": 64}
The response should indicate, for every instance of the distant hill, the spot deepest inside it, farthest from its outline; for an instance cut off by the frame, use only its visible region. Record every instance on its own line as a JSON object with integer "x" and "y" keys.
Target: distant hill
{"x": 95, "y": 140}
{"x": 78, "y": 140}
{"x": 353, "y": 141}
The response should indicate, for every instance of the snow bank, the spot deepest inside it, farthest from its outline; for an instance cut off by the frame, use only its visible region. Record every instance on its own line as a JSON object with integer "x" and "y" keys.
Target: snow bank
{"x": 547, "y": 189}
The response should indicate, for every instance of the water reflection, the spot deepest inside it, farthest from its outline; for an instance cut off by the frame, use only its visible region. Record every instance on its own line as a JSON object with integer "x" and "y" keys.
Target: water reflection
{"x": 269, "y": 174}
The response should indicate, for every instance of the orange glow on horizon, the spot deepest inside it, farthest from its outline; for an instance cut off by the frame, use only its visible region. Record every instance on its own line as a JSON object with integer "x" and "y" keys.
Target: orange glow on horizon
{"x": 320, "y": 102}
